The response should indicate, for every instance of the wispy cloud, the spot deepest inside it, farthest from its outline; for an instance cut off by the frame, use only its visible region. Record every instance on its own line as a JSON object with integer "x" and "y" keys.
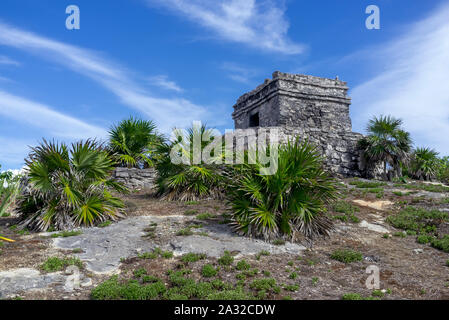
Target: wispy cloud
{"x": 44, "y": 117}
{"x": 238, "y": 73}
{"x": 13, "y": 152}
{"x": 260, "y": 24}
{"x": 413, "y": 83}
{"x": 166, "y": 112}
{"x": 8, "y": 61}
{"x": 163, "y": 82}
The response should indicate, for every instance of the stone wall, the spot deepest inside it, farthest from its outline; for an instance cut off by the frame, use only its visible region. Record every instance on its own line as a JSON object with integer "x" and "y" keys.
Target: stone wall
{"x": 308, "y": 107}
{"x": 136, "y": 179}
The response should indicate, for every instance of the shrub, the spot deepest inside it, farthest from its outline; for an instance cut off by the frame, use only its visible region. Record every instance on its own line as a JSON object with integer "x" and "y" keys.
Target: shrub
{"x": 133, "y": 142}
{"x": 243, "y": 265}
{"x": 66, "y": 234}
{"x": 424, "y": 238}
{"x": 10, "y": 188}
{"x": 424, "y": 164}
{"x": 54, "y": 264}
{"x": 192, "y": 257}
{"x": 386, "y": 143}
{"x": 69, "y": 187}
{"x": 226, "y": 259}
{"x": 417, "y": 219}
{"x": 208, "y": 271}
{"x": 347, "y": 256}
{"x": 204, "y": 216}
{"x": 291, "y": 199}
{"x": 188, "y": 180}
{"x": 441, "y": 243}
{"x": 352, "y": 296}
{"x": 348, "y": 209}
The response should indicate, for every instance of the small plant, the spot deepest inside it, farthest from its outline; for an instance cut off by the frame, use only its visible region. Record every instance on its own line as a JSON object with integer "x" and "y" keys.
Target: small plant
{"x": 205, "y": 216}
{"x": 352, "y": 296}
{"x": 315, "y": 281}
{"x": 385, "y": 236}
{"x": 262, "y": 253}
{"x": 424, "y": 238}
{"x": 279, "y": 242}
{"x": 292, "y": 287}
{"x": 167, "y": 254}
{"x": 400, "y": 234}
{"x": 148, "y": 255}
{"x": 54, "y": 264}
{"x": 377, "y": 293}
{"x": 226, "y": 259}
{"x": 105, "y": 224}
{"x": 347, "y": 256}
{"x": 192, "y": 257}
{"x": 77, "y": 250}
{"x": 185, "y": 232}
{"x": 293, "y": 275}
{"x": 208, "y": 271}
{"x": 190, "y": 212}
{"x": 266, "y": 273}
{"x": 66, "y": 234}
{"x": 243, "y": 265}
{"x": 441, "y": 243}
{"x": 263, "y": 284}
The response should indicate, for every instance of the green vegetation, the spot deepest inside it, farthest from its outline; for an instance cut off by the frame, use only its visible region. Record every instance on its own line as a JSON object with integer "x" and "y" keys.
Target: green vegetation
{"x": 367, "y": 184}
{"x": 417, "y": 219}
{"x": 192, "y": 257}
{"x": 66, "y": 234}
{"x": 424, "y": 238}
{"x": 441, "y": 243}
{"x": 356, "y": 296}
{"x": 292, "y": 199}
{"x": 54, "y": 264}
{"x": 424, "y": 164}
{"x": 105, "y": 224}
{"x": 185, "y": 232}
{"x": 208, "y": 271}
{"x": 133, "y": 142}
{"x": 9, "y": 191}
{"x": 226, "y": 259}
{"x": 243, "y": 265}
{"x": 189, "y": 182}
{"x": 190, "y": 212}
{"x": 205, "y": 216}
{"x": 346, "y": 255}
{"x": 387, "y": 143}
{"x": 348, "y": 211}
{"x": 69, "y": 186}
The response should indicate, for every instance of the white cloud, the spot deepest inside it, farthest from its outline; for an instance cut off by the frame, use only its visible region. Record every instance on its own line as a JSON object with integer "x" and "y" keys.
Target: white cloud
{"x": 238, "y": 73}
{"x": 412, "y": 83}
{"x": 42, "y": 116}
{"x": 259, "y": 24}
{"x": 166, "y": 112}
{"x": 163, "y": 82}
{"x": 8, "y": 61}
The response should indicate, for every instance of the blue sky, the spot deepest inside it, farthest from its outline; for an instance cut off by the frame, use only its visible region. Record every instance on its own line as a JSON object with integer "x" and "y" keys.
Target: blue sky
{"x": 174, "y": 61}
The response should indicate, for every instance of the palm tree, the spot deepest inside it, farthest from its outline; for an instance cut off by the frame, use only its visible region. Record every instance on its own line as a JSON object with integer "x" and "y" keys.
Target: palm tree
{"x": 424, "y": 163}
{"x": 188, "y": 179}
{"x": 287, "y": 203}
{"x": 386, "y": 142}
{"x": 68, "y": 187}
{"x": 133, "y": 142}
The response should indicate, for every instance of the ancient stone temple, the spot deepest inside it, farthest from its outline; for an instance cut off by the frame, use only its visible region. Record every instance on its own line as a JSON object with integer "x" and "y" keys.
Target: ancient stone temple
{"x": 308, "y": 107}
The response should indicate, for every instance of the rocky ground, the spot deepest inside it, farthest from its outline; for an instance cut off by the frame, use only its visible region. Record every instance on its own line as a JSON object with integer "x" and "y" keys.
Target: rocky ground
{"x": 408, "y": 269}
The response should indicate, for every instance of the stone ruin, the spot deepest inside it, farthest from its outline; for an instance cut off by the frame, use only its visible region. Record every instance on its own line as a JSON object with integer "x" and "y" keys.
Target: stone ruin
{"x": 296, "y": 105}
{"x": 308, "y": 107}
